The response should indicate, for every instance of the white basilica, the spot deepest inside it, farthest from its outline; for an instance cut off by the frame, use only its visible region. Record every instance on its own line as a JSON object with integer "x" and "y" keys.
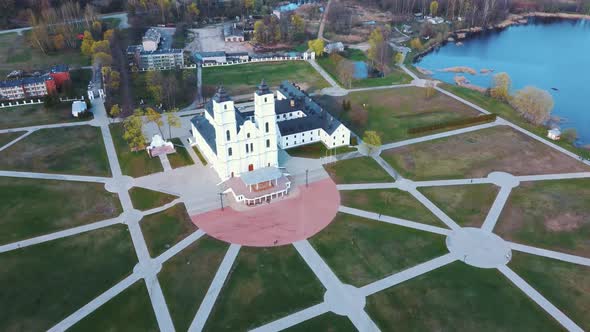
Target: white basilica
{"x": 245, "y": 143}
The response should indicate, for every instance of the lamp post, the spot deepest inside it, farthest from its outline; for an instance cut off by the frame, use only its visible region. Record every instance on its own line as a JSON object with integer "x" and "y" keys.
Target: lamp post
{"x": 221, "y": 200}
{"x": 306, "y": 178}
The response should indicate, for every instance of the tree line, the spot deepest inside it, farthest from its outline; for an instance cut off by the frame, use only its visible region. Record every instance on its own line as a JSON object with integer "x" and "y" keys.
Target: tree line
{"x": 272, "y": 30}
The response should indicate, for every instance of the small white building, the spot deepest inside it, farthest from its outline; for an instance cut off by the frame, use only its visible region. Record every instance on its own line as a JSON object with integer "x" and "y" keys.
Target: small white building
{"x": 334, "y": 48}
{"x": 554, "y": 134}
{"x": 159, "y": 146}
{"x": 78, "y": 107}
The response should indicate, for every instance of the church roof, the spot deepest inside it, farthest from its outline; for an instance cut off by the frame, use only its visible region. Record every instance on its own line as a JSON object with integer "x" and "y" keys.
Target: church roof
{"x": 262, "y": 89}
{"x": 206, "y": 130}
{"x": 221, "y": 95}
{"x": 261, "y": 175}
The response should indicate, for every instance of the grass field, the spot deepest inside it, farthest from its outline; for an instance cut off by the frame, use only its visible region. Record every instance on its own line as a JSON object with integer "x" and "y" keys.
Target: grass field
{"x": 476, "y": 154}
{"x": 467, "y": 205}
{"x": 357, "y": 170}
{"x": 33, "y": 207}
{"x": 9, "y": 137}
{"x": 186, "y": 277}
{"x": 392, "y": 112}
{"x": 458, "y": 297}
{"x": 328, "y": 322}
{"x": 200, "y": 155}
{"x": 243, "y": 79}
{"x": 34, "y": 115}
{"x": 129, "y": 311}
{"x": 389, "y": 202}
{"x": 135, "y": 164}
{"x": 317, "y": 150}
{"x": 164, "y": 229}
{"x": 145, "y": 199}
{"x": 549, "y": 214}
{"x": 564, "y": 284}
{"x": 264, "y": 284}
{"x": 183, "y": 95}
{"x": 181, "y": 158}
{"x": 361, "y": 251}
{"x": 68, "y": 150}
{"x": 50, "y": 281}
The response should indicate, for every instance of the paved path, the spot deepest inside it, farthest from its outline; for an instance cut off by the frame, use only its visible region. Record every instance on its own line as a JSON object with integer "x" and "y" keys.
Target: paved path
{"x": 324, "y": 19}
{"x": 122, "y": 25}
{"x": 539, "y": 299}
{"x": 47, "y": 126}
{"x": 385, "y": 165}
{"x": 14, "y": 141}
{"x": 187, "y": 241}
{"x": 365, "y": 186}
{"x": 550, "y": 254}
{"x": 165, "y": 162}
{"x": 545, "y": 177}
{"x": 434, "y": 209}
{"x": 214, "y": 289}
{"x": 496, "y": 209}
{"x": 294, "y": 319}
{"x": 49, "y": 176}
{"x": 324, "y": 74}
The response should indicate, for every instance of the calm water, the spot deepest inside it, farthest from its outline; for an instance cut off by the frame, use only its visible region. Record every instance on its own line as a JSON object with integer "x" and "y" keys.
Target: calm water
{"x": 545, "y": 53}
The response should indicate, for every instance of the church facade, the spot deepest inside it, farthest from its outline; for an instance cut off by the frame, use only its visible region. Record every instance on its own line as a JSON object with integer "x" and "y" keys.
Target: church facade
{"x": 238, "y": 142}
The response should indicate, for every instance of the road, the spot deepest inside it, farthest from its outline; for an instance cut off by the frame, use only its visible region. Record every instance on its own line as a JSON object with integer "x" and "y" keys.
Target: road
{"x": 124, "y": 24}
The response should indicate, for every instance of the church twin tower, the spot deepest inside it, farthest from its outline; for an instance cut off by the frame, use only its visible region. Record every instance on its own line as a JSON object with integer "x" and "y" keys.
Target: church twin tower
{"x": 244, "y": 142}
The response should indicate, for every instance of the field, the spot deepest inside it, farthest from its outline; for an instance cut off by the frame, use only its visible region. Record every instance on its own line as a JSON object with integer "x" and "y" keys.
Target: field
{"x": 317, "y": 150}
{"x": 361, "y": 251}
{"x": 9, "y": 137}
{"x": 183, "y": 94}
{"x": 357, "y": 170}
{"x": 243, "y": 79}
{"x": 33, "y": 207}
{"x": 250, "y": 294}
{"x": 181, "y": 158}
{"x": 458, "y": 297}
{"x": 34, "y": 115}
{"x": 549, "y": 214}
{"x": 145, "y": 199}
{"x": 468, "y": 205}
{"x": 164, "y": 229}
{"x": 392, "y": 112}
{"x": 328, "y": 322}
{"x": 50, "y": 281}
{"x": 135, "y": 164}
{"x": 69, "y": 150}
{"x": 476, "y": 154}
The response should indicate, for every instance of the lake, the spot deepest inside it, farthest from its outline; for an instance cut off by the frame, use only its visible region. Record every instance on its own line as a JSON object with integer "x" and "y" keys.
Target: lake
{"x": 546, "y": 53}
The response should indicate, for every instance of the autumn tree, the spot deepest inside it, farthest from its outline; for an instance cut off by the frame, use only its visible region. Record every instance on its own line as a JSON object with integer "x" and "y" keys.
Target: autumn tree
{"x": 398, "y": 58}
{"x": 153, "y": 116}
{"x": 416, "y": 44}
{"x": 345, "y": 70}
{"x": 115, "y": 111}
{"x": 193, "y": 11}
{"x": 501, "y": 87}
{"x": 297, "y": 28}
{"x": 570, "y": 135}
{"x": 101, "y": 46}
{"x": 133, "y": 131}
{"x": 154, "y": 81}
{"x": 96, "y": 29}
{"x": 173, "y": 121}
{"x": 316, "y": 46}
{"x": 433, "y": 8}
{"x": 372, "y": 140}
{"x": 534, "y": 104}
{"x": 87, "y": 43}
{"x": 101, "y": 59}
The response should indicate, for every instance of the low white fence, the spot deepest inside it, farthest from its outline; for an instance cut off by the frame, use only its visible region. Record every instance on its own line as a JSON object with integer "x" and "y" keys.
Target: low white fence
{"x": 71, "y": 99}
{"x": 20, "y": 103}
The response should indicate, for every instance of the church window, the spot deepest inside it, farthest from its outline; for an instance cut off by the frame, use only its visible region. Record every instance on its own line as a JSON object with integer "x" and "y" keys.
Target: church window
{"x": 248, "y": 135}
{"x": 251, "y": 147}
{"x": 227, "y": 135}
{"x": 268, "y": 143}
{"x": 266, "y": 127}
{"x": 247, "y": 148}
{"x": 265, "y": 99}
{"x": 225, "y": 106}
{"x": 229, "y": 152}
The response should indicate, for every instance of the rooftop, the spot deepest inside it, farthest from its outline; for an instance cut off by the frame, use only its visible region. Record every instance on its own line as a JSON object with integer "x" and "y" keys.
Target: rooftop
{"x": 261, "y": 175}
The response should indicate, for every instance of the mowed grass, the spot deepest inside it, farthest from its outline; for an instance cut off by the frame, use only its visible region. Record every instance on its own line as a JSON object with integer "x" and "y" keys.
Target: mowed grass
{"x": 328, "y": 322}
{"x": 243, "y": 79}
{"x": 467, "y": 205}
{"x": 164, "y": 229}
{"x": 34, "y": 207}
{"x": 129, "y": 311}
{"x": 47, "y": 282}
{"x": 458, "y": 297}
{"x": 181, "y": 158}
{"x": 133, "y": 163}
{"x": 549, "y": 214}
{"x": 392, "y": 112}
{"x": 145, "y": 199}
{"x": 564, "y": 284}
{"x": 264, "y": 284}
{"x": 186, "y": 277}
{"x": 9, "y": 137}
{"x": 389, "y": 202}
{"x": 478, "y": 153}
{"x": 67, "y": 150}
{"x": 34, "y": 115}
{"x": 361, "y": 251}
{"x": 357, "y": 170}
{"x": 200, "y": 155}
{"x": 17, "y": 52}
{"x": 317, "y": 150}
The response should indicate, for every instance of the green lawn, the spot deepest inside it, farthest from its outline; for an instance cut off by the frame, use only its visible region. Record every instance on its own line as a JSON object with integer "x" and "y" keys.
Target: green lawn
{"x": 33, "y": 207}
{"x": 458, "y": 297}
{"x": 67, "y": 150}
{"x": 357, "y": 170}
{"x": 328, "y": 322}
{"x": 467, "y": 205}
{"x": 164, "y": 229}
{"x": 135, "y": 164}
{"x": 129, "y": 311}
{"x": 80, "y": 79}
{"x": 34, "y": 115}
{"x": 200, "y": 155}
{"x": 361, "y": 251}
{"x": 389, "y": 202}
{"x": 549, "y": 214}
{"x": 181, "y": 158}
{"x": 9, "y": 137}
{"x": 186, "y": 277}
{"x": 243, "y": 79}
{"x": 145, "y": 199}
{"x": 47, "y": 282}
{"x": 16, "y": 52}
{"x": 564, "y": 284}
{"x": 392, "y": 112}
{"x": 264, "y": 284}
{"x": 478, "y": 153}
{"x": 317, "y": 150}
{"x": 507, "y": 112}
